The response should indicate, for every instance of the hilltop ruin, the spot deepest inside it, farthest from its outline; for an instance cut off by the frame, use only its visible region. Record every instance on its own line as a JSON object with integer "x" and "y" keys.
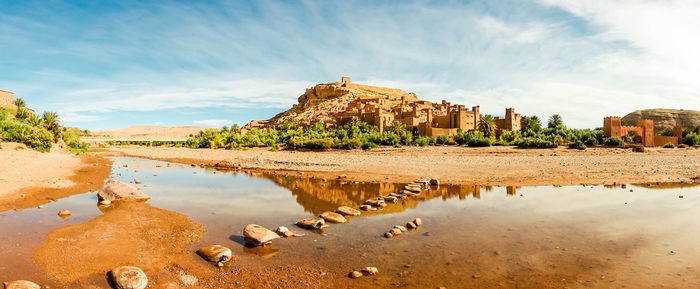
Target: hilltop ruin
{"x": 337, "y": 103}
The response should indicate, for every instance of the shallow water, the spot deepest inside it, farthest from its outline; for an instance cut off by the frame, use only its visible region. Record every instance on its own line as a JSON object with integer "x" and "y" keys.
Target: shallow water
{"x": 472, "y": 236}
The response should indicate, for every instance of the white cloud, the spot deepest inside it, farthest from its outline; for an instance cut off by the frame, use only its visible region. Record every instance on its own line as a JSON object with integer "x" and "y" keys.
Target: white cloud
{"x": 217, "y": 123}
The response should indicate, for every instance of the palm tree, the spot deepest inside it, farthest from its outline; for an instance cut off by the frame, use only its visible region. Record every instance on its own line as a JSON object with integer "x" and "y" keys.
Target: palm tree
{"x": 21, "y": 113}
{"x": 555, "y": 121}
{"x": 50, "y": 120}
{"x": 531, "y": 123}
{"x": 487, "y": 126}
{"x": 34, "y": 120}
{"x": 20, "y": 102}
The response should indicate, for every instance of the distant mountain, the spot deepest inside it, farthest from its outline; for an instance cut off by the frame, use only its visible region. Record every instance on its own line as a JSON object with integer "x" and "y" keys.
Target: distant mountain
{"x": 665, "y": 118}
{"x": 150, "y": 131}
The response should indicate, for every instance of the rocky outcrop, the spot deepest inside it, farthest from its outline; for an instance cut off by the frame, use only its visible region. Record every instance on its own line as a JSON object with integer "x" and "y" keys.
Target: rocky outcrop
{"x": 665, "y": 118}
{"x": 116, "y": 190}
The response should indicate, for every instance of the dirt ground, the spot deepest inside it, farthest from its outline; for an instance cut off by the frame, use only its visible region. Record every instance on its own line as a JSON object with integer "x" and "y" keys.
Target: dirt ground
{"x": 29, "y": 178}
{"x": 452, "y": 165}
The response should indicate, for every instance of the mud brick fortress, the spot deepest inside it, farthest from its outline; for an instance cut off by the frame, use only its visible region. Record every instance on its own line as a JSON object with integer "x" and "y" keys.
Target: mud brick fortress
{"x": 644, "y": 131}
{"x": 338, "y": 103}
{"x": 7, "y": 98}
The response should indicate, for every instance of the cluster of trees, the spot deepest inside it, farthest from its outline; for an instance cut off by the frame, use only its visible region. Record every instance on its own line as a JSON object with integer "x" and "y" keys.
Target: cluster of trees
{"x": 358, "y": 134}
{"x": 37, "y": 132}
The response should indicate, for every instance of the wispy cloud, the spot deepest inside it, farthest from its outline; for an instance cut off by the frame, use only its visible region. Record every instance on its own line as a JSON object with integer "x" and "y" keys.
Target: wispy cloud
{"x": 214, "y": 122}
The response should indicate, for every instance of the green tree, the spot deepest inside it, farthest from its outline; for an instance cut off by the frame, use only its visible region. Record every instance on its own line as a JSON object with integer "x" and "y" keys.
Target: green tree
{"x": 21, "y": 113}
{"x": 51, "y": 122}
{"x": 555, "y": 121}
{"x": 531, "y": 123}
{"x": 487, "y": 126}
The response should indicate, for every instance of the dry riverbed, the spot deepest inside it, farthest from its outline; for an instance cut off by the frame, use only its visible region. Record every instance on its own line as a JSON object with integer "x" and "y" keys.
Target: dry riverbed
{"x": 453, "y": 165}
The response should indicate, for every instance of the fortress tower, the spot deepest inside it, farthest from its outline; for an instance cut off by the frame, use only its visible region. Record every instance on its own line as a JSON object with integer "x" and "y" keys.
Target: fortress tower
{"x": 6, "y": 98}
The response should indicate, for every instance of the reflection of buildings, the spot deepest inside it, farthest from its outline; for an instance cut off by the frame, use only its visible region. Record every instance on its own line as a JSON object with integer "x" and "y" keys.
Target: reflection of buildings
{"x": 317, "y": 196}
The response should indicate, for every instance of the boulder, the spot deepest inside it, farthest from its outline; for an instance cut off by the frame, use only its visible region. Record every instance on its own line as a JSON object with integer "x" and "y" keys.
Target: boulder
{"x": 333, "y": 217}
{"x": 21, "y": 284}
{"x": 402, "y": 228}
{"x": 388, "y": 235}
{"x": 129, "y": 277}
{"x": 215, "y": 253}
{"x": 116, "y": 190}
{"x": 64, "y": 213}
{"x": 395, "y": 232}
{"x": 258, "y": 235}
{"x": 411, "y": 225}
{"x": 390, "y": 199}
{"x": 347, "y": 211}
{"x": 374, "y": 202}
{"x": 311, "y": 223}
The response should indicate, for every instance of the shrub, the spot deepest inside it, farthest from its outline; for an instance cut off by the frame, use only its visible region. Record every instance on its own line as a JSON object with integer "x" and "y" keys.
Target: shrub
{"x": 692, "y": 139}
{"x": 319, "y": 143}
{"x": 614, "y": 142}
{"x": 424, "y": 141}
{"x": 510, "y": 137}
{"x": 479, "y": 142}
{"x": 682, "y": 146}
{"x": 669, "y": 146}
{"x": 368, "y": 145}
{"x": 37, "y": 138}
{"x": 665, "y": 132}
{"x": 577, "y": 145}
{"x": 442, "y": 139}
{"x": 531, "y": 142}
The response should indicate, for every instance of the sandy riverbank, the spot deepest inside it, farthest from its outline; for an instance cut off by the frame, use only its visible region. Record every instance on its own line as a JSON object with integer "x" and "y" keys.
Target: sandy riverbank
{"x": 454, "y": 165}
{"x": 29, "y": 178}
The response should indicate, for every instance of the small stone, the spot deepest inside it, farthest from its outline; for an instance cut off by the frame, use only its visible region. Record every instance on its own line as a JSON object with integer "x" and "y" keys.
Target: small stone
{"x": 402, "y": 228}
{"x": 137, "y": 182}
{"x": 342, "y": 177}
{"x": 333, "y": 217}
{"x": 411, "y": 225}
{"x": 355, "y": 274}
{"x": 396, "y": 232}
{"x": 105, "y": 202}
{"x": 434, "y": 182}
{"x": 129, "y": 277}
{"x": 418, "y": 222}
{"x": 258, "y": 235}
{"x": 21, "y": 284}
{"x": 370, "y": 271}
{"x": 40, "y": 207}
{"x": 311, "y": 223}
{"x": 347, "y": 211}
{"x": 388, "y": 235}
{"x": 367, "y": 208}
{"x": 476, "y": 276}
{"x": 64, "y": 213}
{"x": 680, "y": 196}
{"x": 285, "y": 232}
{"x": 23, "y": 195}
{"x": 215, "y": 253}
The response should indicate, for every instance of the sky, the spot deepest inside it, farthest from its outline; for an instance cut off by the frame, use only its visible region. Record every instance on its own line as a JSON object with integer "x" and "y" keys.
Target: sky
{"x": 113, "y": 64}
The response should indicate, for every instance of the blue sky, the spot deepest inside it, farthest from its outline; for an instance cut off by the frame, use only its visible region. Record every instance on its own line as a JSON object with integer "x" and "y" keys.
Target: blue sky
{"x": 105, "y": 65}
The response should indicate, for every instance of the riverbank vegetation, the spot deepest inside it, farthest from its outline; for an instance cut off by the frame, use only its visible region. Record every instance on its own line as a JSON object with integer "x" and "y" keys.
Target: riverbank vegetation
{"x": 360, "y": 135}
{"x": 37, "y": 132}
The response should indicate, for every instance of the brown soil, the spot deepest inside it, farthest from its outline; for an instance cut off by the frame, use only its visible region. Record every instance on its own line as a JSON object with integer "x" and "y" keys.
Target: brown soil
{"x": 29, "y": 178}
{"x": 452, "y": 165}
{"x": 150, "y": 131}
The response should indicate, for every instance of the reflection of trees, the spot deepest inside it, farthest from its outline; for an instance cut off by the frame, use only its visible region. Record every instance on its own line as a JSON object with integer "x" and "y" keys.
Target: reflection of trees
{"x": 317, "y": 196}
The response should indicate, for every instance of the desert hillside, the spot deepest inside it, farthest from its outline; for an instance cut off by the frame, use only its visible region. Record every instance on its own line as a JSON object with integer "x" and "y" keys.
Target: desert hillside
{"x": 321, "y": 102}
{"x": 150, "y": 131}
{"x": 665, "y": 118}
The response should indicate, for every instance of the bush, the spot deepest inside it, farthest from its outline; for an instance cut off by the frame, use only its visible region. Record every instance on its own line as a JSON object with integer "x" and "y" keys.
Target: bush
{"x": 665, "y": 132}
{"x": 692, "y": 139}
{"x": 442, "y": 139}
{"x": 424, "y": 141}
{"x": 682, "y": 146}
{"x": 614, "y": 142}
{"x": 368, "y": 145}
{"x": 577, "y": 145}
{"x": 37, "y": 138}
{"x": 531, "y": 142}
{"x": 669, "y": 146}
{"x": 479, "y": 142}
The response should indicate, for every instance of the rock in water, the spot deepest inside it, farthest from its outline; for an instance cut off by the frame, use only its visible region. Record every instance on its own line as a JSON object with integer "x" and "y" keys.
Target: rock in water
{"x": 395, "y": 232}
{"x": 434, "y": 182}
{"x": 367, "y": 208}
{"x": 333, "y": 217}
{"x": 411, "y": 225}
{"x": 311, "y": 223}
{"x": 215, "y": 253}
{"x": 129, "y": 277}
{"x": 64, "y": 213}
{"x": 348, "y": 211}
{"x": 388, "y": 235}
{"x": 402, "y": 228}
{"x": 116, "y": 190}
{"x": 258, "y": 235}
{"x": 418, "y": 222}
{"x": 285, "y": 232}
{"x": 21, "y": 284}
